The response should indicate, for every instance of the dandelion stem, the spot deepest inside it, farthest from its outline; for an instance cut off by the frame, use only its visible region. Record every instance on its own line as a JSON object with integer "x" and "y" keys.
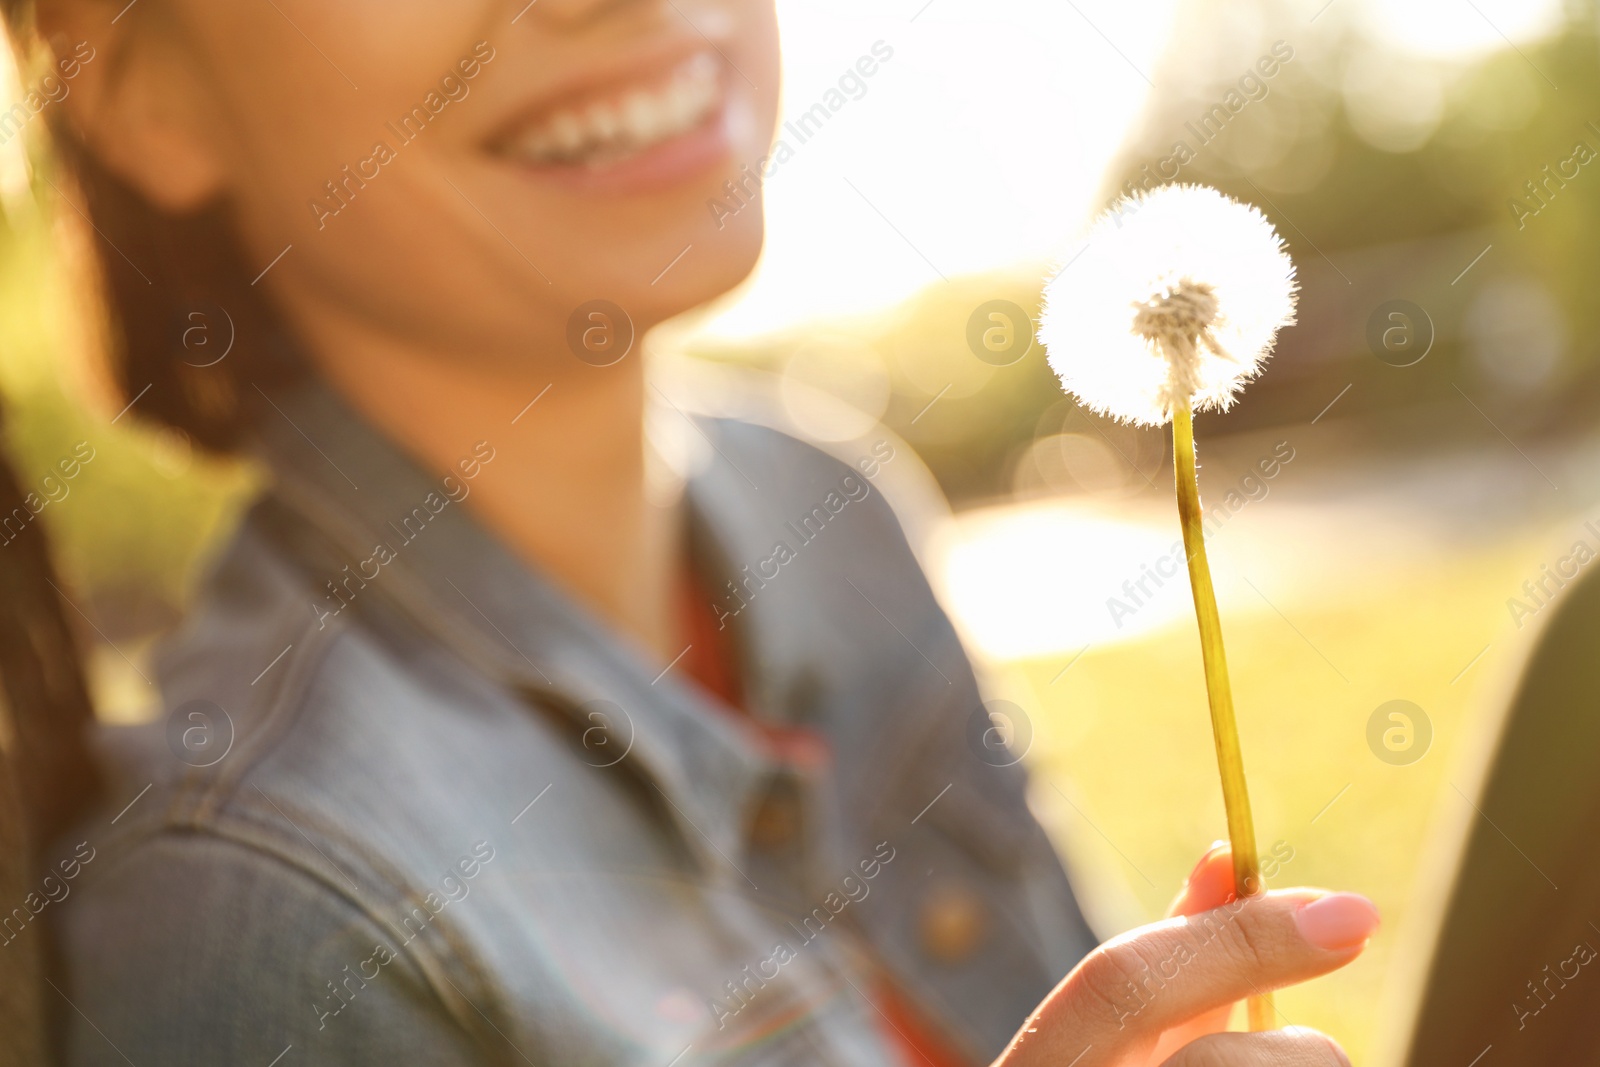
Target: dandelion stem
{"x": 1224, "y": 728}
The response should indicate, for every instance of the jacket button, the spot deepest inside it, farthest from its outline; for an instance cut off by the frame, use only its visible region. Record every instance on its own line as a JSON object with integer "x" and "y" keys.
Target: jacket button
{"x": 952, "y": 922}
{"x": 776, "y": 823}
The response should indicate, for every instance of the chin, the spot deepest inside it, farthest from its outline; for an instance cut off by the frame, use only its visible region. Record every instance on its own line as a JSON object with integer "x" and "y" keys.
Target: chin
{"x": 713, "y": 267}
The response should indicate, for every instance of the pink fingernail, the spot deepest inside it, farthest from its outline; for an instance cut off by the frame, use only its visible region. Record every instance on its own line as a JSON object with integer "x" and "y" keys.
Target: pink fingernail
{"x": 1212, "y": 851}
{"x": 1337, "y": 921}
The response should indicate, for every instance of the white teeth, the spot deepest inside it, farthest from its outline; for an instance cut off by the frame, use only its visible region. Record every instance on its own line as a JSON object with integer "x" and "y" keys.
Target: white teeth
{"x": 640, "y": 112}
{"x": 567, "y": 131}
{"x": 611, "y": 129}
{"x": 605, "y": 121}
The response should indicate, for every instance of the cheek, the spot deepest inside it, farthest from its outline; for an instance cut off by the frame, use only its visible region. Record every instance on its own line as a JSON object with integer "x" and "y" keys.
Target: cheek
{"x": 293, "y": 119}
{"x": 305, "y": 89}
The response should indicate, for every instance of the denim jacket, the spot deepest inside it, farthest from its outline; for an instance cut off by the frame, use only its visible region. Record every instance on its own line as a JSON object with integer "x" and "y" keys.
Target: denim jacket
{"x": 410, "y": 803}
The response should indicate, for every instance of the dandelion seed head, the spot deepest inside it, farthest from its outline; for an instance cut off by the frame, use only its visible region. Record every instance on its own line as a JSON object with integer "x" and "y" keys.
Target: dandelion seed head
{"x": 1179, "y": 293}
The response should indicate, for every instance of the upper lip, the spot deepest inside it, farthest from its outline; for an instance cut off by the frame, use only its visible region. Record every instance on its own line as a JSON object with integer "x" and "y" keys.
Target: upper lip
{"x": 615, "y": 73}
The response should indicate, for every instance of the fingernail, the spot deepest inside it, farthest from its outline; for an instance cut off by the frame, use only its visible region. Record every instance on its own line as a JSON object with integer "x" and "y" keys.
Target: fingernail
{"x": 1212, "y": 851}
{"x": 1336, "y": 921}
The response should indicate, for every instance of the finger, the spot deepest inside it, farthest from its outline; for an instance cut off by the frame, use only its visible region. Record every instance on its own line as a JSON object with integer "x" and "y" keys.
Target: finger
{"x": 1209, "y": 885}
{"x": 1295, "y": 1046}
{"x": 1131, "y": 989}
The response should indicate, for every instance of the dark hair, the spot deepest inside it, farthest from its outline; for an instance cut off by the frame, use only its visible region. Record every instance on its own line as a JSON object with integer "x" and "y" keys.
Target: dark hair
{"x": 156, "y": 272}
{"x": 42, "y": 680}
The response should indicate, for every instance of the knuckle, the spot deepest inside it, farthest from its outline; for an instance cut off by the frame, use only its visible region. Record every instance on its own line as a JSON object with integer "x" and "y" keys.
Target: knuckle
{"x": 1109, "y": 977}
{"x": 1131, "y": 958}
{"x": 1102, "y": 982}
{"x": 1249, "y": 942}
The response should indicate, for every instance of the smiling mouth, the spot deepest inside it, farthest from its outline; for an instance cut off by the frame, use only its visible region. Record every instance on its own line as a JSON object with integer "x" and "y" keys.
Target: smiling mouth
{"x": 610, "y": 128}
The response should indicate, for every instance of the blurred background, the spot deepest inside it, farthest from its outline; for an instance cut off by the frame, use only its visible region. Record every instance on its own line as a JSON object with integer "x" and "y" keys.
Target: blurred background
{"x": 1432, "y": 417}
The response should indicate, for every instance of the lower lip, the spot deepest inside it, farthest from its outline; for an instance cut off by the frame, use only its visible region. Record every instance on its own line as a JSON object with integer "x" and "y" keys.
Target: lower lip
{"x": 659, "y": 167}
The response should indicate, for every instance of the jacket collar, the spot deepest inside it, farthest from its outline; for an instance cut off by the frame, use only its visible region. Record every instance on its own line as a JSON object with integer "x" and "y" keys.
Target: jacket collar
{"x": 355, "y": 501}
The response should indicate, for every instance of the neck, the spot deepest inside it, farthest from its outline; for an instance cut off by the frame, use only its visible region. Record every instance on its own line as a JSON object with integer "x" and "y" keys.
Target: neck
{"x": 567, "y": 488}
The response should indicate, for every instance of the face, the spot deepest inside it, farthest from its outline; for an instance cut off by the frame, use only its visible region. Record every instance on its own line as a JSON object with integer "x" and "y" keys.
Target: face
{"x": 465, "y": 175}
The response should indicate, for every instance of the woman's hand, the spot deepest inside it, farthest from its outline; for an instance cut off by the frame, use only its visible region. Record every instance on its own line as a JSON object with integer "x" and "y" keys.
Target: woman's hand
{"x": 1162, "y": 994}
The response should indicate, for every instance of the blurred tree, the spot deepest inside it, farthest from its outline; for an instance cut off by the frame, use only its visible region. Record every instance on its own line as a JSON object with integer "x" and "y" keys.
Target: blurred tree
{"x": 1461, "y": 186}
